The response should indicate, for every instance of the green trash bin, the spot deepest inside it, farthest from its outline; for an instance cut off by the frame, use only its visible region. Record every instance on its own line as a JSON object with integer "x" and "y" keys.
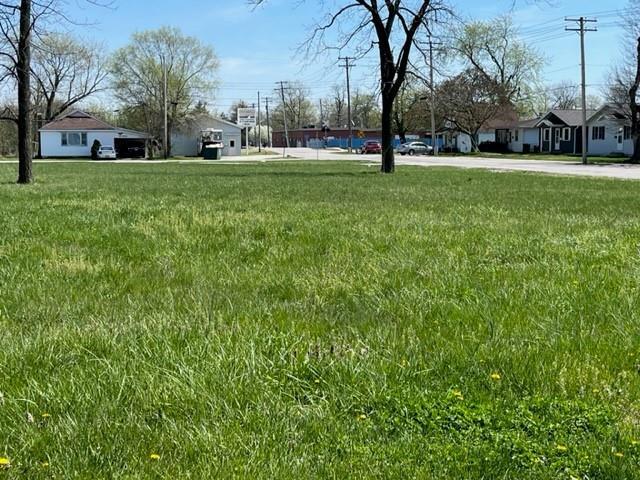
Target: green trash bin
{"x": 212, "y": 153}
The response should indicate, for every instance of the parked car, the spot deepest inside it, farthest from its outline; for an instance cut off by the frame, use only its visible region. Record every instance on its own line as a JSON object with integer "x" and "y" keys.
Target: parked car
{"x": 107, "y": 153}
{"x": 371, "y": 146}
{"x": 415, "y": 148}
{"x": 136, "y": 152}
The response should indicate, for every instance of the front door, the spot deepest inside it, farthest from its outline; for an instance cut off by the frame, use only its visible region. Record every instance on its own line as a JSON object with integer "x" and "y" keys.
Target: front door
{"x": 620, "y": 142}
{"x": 556, "y": 138}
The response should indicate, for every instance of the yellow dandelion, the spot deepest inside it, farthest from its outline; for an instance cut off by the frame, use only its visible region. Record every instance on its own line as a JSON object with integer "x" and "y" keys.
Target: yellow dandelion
{"x": 362, "y": 416}
{"x": 561, "y": 448}
{"x": 458, "y": 394}
{"x": 44, "y": 464}
{"x": 4, "y": 462}
{"x": 596, "y": 390}
{"x": 496, "y": 376}
{"x": 154, "y": 456}
{"x": 46, "y": 415}
{"x": 618, "y": 454}
{"x": 635, "y": 442}
{"x": 317, "y": 380}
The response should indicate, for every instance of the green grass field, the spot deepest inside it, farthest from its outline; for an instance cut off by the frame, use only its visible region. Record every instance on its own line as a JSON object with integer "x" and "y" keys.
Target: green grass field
{"x": 304, "y": 320}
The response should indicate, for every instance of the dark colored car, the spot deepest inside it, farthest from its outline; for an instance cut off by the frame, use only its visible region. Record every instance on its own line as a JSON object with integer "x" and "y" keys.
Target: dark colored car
{"x": 136, "y": 152}
{"x": 371, "y": 146}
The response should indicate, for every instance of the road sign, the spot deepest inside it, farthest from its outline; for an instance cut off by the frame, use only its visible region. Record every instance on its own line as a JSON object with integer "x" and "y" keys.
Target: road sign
{"x": 247, "y": 117}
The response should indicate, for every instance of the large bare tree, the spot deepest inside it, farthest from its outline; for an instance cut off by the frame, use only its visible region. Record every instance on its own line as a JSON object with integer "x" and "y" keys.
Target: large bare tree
{"x": 565, "y": 96}
{"x": 17, "y": 22}
{"x": 393, "y": 27}
{"x": 66, "y": 71}
{"x": 20, "y": 22}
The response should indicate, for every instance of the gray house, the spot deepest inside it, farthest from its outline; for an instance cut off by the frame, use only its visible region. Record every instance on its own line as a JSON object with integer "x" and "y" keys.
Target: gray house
{"x": 560, "y": 131}
{"x": 185, "y": 140}
{"x": 610, "y": 132}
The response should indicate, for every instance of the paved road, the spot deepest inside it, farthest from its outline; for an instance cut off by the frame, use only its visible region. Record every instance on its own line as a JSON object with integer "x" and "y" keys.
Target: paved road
{"x": 627, "y": 172}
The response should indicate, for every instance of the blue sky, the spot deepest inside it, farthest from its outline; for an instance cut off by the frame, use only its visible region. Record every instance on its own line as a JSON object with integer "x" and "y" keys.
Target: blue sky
{"x": 257, "y": 47}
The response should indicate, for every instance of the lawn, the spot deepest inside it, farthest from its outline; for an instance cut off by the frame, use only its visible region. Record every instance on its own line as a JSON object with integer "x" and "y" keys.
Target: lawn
{"x": 304, "y": 320}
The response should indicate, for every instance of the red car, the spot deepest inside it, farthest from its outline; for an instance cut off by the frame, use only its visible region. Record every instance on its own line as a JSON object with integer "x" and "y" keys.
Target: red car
{"x": 371, "y": 146}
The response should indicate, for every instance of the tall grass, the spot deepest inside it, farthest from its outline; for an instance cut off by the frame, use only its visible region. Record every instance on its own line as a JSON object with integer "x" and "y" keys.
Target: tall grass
{"x": 311, "y": 321}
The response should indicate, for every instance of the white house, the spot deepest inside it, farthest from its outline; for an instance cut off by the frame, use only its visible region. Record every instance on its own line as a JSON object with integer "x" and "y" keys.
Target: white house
{"x": 524, "y": 137}
{"x": 609, "y": 132}
{"x": 73, "y": 134}
{"x": 185, "y": 140}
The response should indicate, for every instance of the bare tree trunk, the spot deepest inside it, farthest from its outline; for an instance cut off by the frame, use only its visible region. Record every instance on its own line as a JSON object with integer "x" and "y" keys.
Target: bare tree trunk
{"x": 635, "y": 111}
{"x": 388, "y": 159}
{"x": 25, "y": 147}
{"x": 475, "y": 148}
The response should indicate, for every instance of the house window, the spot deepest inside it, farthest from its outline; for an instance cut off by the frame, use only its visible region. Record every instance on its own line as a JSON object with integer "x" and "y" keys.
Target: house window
{"x": 627, "y": 132}
{"x": 232, "y": 143}
{"x": 74, "y": 139}
{"x": 597, "y": 133}
{"x": 517, "y": 135}
{"x": 566, "y": 134}
{"x": 547, "y": 134}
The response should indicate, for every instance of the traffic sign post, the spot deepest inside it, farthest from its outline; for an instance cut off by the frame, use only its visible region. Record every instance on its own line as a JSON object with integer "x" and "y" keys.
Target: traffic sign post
{"x": 247, "y": 119}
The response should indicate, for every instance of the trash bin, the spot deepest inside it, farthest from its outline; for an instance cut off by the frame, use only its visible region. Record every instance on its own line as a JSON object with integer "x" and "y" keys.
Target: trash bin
{"x": 212, "y": 153}
{"x": 526, "y": 148}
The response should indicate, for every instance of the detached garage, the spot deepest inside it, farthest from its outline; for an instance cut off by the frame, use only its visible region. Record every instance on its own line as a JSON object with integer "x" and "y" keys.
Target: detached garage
{"x": 186, "y": 140}
{"x": 72, "y": 135}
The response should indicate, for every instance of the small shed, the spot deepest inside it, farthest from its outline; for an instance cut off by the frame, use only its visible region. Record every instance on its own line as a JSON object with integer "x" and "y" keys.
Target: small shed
{"x": 186, "y": 139}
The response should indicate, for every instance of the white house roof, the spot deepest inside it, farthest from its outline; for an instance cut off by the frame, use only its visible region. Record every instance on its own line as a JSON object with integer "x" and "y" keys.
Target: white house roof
{"x": 126, "y": 133}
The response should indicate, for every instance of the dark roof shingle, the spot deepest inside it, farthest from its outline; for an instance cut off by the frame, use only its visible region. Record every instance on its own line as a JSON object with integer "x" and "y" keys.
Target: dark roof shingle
{"x": 77, "y": 120}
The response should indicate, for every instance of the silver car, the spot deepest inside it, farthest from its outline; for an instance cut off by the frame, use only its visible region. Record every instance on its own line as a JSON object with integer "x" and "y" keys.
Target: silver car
{"x": 415, "y": 148}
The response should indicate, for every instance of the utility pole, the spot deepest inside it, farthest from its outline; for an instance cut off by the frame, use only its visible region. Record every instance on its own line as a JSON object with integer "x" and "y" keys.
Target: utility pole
{"x": 347, "y": 66}
{"x": 582, "y": 22}
{"x": 166, "y": 115}
{"x": 255, "y": 130}
{"x": 270, "y": 142}
{"x": 284, "y": 114}
{"x": 259, "y": 127}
